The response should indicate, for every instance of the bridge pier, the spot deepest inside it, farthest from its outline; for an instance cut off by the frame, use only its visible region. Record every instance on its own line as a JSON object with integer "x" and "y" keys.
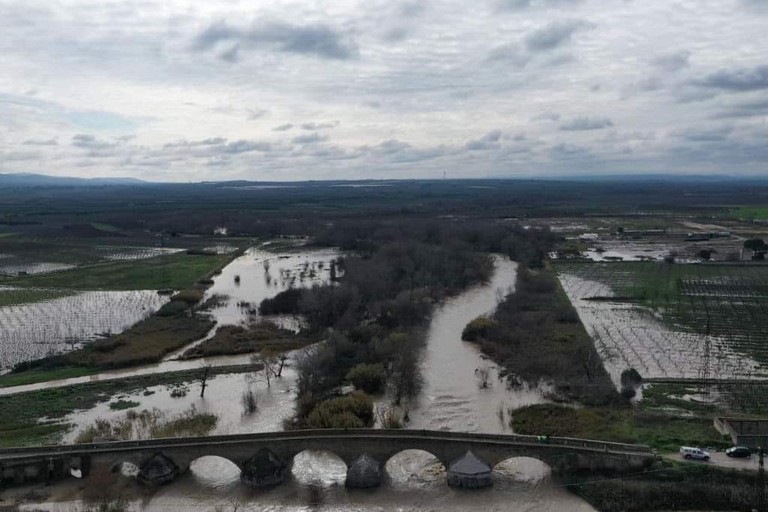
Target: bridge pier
{"x": 365, "y": 472}
{"x": 265, "y": 469}
{"x": 158, "y": 470}
{"x": 469, "y": 472}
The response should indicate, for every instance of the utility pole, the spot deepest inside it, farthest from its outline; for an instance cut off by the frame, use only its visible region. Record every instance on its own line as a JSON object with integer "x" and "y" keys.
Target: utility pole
{"x": 761, "y": 479}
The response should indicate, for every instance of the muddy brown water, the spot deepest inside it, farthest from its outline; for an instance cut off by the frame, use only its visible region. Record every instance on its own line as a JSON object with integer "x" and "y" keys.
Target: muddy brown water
{"x": 452, "y": 399}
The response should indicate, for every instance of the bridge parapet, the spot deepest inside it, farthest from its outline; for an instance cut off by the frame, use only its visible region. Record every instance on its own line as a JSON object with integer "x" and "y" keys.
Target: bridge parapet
{"x": 561, "y": 454}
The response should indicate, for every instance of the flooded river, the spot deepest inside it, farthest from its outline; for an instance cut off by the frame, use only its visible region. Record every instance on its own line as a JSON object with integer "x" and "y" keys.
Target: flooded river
{"x": 452, "y": 399}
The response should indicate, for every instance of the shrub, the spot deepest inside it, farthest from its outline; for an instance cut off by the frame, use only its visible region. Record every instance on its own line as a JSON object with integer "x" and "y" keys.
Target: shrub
{"x": 630, "y": 378}
{"x": 190, "y": 296}
{"x": 353, "y": 411}
{"x": 249, "y": 401}
{"x": 478, "y": 329}
{"x": 368, "y": 377}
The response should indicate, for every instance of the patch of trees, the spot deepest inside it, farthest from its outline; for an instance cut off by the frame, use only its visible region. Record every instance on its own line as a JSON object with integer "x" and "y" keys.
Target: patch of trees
{"x": 377, "y": 308}
{"x": 536, "y": 335}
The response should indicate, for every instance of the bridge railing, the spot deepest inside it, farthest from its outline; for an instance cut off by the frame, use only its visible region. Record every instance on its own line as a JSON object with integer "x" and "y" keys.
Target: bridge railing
{"x": 327, "y": 433}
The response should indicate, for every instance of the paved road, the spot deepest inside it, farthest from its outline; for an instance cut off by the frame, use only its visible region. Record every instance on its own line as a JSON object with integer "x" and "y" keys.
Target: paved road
{"x": 721, "y": 459}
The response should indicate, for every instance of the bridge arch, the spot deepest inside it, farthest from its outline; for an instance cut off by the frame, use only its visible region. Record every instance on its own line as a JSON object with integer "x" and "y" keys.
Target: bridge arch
{"x": 215, "y": 470}
{"x": 535, "y": 469}
{"x": 405, "y": 466}
{"x": 319, "y": 467}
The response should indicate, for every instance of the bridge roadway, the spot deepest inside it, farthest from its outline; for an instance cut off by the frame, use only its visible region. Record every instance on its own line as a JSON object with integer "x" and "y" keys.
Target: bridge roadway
{"x": 265, "y": 458}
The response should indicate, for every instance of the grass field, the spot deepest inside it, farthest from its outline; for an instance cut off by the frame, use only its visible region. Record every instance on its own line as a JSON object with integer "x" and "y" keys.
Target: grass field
{"x": 35, "y": 376}
{"x": 663, "y": 432}
{"x": 15, "y": 297}
{"x": 751, "y": 213}
{"x": 173, "y": 271}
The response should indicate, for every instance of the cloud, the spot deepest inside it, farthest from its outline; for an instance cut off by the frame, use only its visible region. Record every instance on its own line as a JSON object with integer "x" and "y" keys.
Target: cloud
{"x": 318, "y": 126}
{"x": 518, "y": 5}
{"x": 86, "y": 141}
{"x": 256, "y": 113}
{"x": 737, "y": 79}
{"x": 311, "y": 138}
{"x": 318, "y": 39}
{"x": 746, "y": 109}
{"x": 488, "y": 141}
{"x": 509, "y": 53}
{"x": 546, "y": 116}
{"x": 244, "y": 146}
{"x": 37, "y": 142}
{"x": 672, "y": 61}
{"x": 554, "y": 35}
{"x": 282, "y": 127}
{"x": 586, "y": 123}
{"x": 706, "y": 135}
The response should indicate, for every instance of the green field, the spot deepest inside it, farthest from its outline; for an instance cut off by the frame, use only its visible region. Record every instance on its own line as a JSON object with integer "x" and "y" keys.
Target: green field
{"x": 751, "y": 213}
{"x": 14, "y": 297}
{"x": 173, "y": 271}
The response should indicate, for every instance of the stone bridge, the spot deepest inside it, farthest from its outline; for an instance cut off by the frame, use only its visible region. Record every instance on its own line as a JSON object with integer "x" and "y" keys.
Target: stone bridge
{"x": 265, "y": 458}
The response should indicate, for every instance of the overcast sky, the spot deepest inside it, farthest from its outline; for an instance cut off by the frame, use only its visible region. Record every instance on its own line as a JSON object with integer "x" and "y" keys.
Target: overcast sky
{"x": 287, "y": 90}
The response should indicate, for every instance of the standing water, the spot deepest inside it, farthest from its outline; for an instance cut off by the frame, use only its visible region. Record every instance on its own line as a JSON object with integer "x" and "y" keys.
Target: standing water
{"x": 452, "y": 399}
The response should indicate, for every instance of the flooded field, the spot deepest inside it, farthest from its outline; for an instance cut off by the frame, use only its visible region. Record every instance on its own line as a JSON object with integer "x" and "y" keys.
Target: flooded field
{"x": 12, "y": 266}
{"x": 39, "y": 329}
{"x": 452, "y": 399}
{"x": 679, "y": 321}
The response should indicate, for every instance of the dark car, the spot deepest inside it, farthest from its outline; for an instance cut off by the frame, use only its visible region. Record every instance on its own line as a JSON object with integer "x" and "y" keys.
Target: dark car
{"x": 741, "y": 452}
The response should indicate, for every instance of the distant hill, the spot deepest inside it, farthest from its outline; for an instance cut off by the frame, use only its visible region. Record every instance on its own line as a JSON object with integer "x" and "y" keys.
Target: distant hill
{"x": 41, "y": 180}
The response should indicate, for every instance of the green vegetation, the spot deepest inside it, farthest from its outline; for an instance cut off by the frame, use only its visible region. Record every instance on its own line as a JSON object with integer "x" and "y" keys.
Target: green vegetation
{"x": 120, "y": 405}
{"x": 751, "y": 213}
{"x": 35, "y": 376}
{"x": 668, "y": 486}
{"x": 17, "y": 296}
{"x": 238, "y": 339}
{"x": 370, "y": 378}
{"x": 353, "y": 411}
{"x": 661, "y": 431}
{"x": 169, "y": 271}
{"x": 22, "y": 412}
{"x": 150, "y": 425}
{"x": 536, "y": 334}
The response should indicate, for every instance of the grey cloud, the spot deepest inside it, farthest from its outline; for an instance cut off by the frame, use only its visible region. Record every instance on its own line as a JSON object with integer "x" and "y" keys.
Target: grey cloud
{"x": 86, "y": 141}
{"x": 311, "y": 138}
{"x": 509, "y": 53}
{"x": 314, "y": 39}
{"x": 256, "y": 113}
{"x": 517, "y": 5}
{"x": 19, "y": 156}
{"x": 318, "y": 126}
{"x": 747, "y": 109}
{"x": 673, "y": 61}
{"x": 586, "y": 123}
{"x": 282, "y": 127}
{"x": 546, "y": 116}
{"x": 488, "y": 141}
{"x": 213, "y": 141}
{"x": 231, "y": 55}
{"x": 245, "y": 146}
{"x": 706, "y": 135}
{"x": 737, "y": 79}
{"x": 554, "y": 34}
{"x": 35, "y": 142}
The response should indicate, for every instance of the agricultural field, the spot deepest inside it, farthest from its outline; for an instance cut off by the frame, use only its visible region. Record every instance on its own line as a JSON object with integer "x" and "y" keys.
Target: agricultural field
{"x": 673, "y": 320}
{"x": 58, "y": 294}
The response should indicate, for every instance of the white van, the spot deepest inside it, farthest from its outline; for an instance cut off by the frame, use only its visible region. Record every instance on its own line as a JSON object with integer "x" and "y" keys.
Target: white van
{"x": 689, "y": 452}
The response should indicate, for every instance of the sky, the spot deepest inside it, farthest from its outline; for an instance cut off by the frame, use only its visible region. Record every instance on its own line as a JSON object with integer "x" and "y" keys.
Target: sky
{"x": 382, "y": 89}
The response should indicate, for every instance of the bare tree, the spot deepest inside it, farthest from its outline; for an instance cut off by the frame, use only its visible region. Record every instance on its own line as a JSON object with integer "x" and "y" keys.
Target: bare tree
{"x": 204, "y": 379}
{"x": 271, "y": 364}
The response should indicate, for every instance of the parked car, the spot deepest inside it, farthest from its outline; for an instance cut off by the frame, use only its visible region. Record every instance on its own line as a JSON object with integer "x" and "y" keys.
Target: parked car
{"x": 689, "y": 452}
{"x": 739, "y": 452}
